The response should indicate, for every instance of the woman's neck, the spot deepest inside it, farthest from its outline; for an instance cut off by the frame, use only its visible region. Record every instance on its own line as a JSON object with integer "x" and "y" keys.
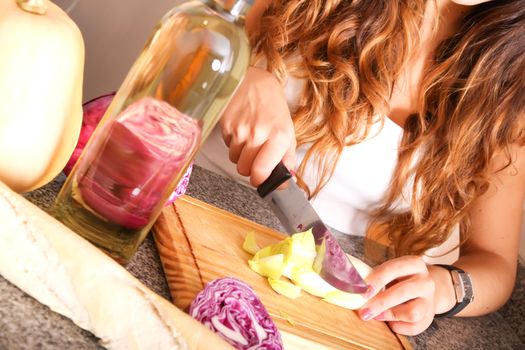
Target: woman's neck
{"x": 440, "y": 21}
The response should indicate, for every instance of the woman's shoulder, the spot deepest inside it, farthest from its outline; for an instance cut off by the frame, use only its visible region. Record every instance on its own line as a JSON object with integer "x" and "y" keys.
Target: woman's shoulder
{"x": 509, "y": 161}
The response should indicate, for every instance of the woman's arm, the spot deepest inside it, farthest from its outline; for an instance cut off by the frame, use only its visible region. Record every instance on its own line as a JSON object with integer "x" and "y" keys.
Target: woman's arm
{"x": 490, "y": 254}
{"x": 415, "y": 292}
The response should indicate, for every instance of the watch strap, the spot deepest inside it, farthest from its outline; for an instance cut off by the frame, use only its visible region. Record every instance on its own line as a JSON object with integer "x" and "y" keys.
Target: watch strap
{"x": 467, "y": 291}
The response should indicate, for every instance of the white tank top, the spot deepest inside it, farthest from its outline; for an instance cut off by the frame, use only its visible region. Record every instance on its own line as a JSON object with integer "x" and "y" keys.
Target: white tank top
{"x": 360, "y": 180}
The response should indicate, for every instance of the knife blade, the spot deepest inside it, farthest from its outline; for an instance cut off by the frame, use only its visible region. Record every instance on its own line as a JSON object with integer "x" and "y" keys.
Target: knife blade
{"x": 295, "y": 212}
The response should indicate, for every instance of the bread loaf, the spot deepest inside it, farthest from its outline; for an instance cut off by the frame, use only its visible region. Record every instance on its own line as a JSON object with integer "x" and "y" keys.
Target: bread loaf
{"x": 72, "y": 277}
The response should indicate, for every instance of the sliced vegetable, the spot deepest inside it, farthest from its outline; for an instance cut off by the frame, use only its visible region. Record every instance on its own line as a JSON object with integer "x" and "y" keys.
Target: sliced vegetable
{"x": 250, "y": 244}
{"x": 298, "y": 250}
{"x": 302, "y": 251}
{"x": 287, "y": 317}
{"x": 270, "y": 266}
{"x": 346, "y": 300}
{"x": 318, "y": 261}
{"x": 285, "y": 288}
{"x": 282, "y": 247}
{"x": 230, "y": 308}
{"x": 295, "y": 258}
{"x": 311, "y": 282}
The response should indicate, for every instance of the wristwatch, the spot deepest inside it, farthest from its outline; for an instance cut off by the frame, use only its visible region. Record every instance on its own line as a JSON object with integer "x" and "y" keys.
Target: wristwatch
{"x": 462, "y": 287}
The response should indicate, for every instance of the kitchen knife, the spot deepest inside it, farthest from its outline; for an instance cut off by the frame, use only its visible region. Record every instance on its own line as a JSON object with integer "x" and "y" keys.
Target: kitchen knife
{"x": 295, "y": 212}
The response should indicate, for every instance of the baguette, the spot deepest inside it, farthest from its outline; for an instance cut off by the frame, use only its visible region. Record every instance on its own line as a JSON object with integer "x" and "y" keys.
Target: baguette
{"x": 72, "y": 277}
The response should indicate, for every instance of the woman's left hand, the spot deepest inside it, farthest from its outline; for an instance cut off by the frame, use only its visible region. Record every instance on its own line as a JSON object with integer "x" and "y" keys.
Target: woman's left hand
{"x": 404, "y": 295}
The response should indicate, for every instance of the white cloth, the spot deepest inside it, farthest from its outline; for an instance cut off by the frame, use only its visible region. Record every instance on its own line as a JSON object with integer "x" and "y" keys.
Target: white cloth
{"x": 360, "y": 180}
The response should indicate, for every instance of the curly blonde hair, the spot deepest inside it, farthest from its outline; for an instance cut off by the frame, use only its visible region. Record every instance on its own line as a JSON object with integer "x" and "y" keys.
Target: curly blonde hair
{"x": 471, "y": 106}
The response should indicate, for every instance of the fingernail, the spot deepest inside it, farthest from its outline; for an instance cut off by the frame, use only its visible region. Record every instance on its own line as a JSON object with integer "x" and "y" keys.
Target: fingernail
{"x": 365, "y": 314}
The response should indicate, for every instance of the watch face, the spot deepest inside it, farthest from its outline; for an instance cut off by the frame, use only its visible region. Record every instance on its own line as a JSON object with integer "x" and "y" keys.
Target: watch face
{"x": 462, "y": 286}
{"x": 467, "y": 286}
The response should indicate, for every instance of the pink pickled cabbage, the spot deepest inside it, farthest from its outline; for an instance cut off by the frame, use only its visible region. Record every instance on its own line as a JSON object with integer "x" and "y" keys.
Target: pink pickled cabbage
{"x": 93, "y": 111}
{"x": 230, "y": 308}
{"x": 146, "y": 145}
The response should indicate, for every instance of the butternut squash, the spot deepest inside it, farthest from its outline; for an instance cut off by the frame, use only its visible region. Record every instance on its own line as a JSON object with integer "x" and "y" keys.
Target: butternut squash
{"x": 41, "y": 73}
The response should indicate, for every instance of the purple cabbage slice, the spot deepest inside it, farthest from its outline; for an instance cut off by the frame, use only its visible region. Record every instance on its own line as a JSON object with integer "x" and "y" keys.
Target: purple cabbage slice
{"x": 230, "y": 308}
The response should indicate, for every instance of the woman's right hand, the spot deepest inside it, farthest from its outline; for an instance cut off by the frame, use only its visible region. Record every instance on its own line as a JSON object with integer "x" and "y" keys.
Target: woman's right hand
{"x": 257, "y": 127}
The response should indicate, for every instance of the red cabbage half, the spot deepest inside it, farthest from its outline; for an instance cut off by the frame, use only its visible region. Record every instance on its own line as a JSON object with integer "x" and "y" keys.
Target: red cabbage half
{"x": 231, "y": 309}
{"x": 92, "y": 113}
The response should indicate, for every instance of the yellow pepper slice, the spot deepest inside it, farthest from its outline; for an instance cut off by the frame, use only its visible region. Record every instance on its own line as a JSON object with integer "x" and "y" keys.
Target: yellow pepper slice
{"x": 270, "y": 266}
{"x": 250, "y": 244}
{"x": 285, "y": 288}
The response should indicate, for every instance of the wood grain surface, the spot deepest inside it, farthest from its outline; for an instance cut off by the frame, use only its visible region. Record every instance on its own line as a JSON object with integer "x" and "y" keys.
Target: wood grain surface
{"x": 198, "y": 243}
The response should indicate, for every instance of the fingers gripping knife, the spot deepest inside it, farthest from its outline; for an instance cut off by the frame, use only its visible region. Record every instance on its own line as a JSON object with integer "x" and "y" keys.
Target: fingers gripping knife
{"x": 296, "y": 214}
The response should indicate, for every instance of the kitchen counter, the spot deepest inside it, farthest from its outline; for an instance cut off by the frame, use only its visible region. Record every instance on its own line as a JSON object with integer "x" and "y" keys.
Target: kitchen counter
{"x": 26, "y": 324}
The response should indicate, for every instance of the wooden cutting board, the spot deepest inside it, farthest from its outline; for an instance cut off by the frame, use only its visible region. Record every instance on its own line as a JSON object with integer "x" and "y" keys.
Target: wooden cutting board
{"x": 198, "y": 243}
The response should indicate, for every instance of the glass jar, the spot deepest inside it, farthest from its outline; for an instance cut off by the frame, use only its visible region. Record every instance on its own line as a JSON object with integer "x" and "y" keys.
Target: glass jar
{"x": 168, "y": 104}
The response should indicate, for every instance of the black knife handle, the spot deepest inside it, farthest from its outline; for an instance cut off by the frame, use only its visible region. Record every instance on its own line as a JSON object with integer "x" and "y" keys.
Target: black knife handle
{"x": 280, "y": 174}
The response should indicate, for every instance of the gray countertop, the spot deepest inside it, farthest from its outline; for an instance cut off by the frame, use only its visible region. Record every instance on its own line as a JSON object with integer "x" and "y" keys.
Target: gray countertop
{"x": 26, "y": 324}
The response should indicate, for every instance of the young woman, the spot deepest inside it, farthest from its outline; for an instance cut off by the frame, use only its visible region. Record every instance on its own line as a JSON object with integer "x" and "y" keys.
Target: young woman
{"x": 407, "y": 117}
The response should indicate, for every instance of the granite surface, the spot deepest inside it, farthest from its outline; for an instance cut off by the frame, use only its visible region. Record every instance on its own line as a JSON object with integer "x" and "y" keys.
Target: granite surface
{"x": 26, "y": 324}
